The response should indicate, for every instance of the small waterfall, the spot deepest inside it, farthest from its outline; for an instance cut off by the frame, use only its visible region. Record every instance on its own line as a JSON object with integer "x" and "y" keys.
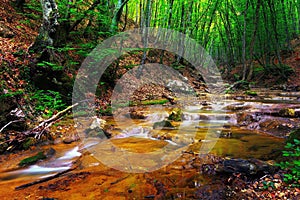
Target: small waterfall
{"x": 45, "y": 169}
{"x": 71, "y": 154}
{"x": 191, "y": 116}
{"x": 134, "y": 132}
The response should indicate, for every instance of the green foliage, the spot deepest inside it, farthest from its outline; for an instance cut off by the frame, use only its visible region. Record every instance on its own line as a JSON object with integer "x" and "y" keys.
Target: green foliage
{"x": 292, "y": 166}
{"x": 47, "y": 102}
{"x": 11, "y": 94}
{"x": 53, "y": 66}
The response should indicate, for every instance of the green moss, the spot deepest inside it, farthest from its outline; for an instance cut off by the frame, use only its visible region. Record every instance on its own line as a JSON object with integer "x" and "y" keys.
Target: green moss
{"x": 154, "y": 102}
{"x": 287, "y": 112}
{"x": 251, "y": 93}
{"x": 33, "y": 159}
{"x": 29, "y": 142}
{"x": 175, "y": 115}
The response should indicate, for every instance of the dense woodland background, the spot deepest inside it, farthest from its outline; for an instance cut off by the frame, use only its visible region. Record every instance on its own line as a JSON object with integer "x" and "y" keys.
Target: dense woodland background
{"x": 43, "y": 43}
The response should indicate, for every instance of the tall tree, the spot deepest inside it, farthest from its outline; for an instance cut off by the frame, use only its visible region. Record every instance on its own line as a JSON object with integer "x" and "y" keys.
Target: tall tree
{"x": 48, "y": 28}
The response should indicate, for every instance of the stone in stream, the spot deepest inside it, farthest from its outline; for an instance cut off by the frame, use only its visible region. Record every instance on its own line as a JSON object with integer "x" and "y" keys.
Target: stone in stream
{"x": 163, "y": 125}
{"x": 247, "y": 167}
{"x": 97, "y": 129}
{"x": 68, "y": 140}
{"x": 39, "y": 156}
{"x": 137, "y": 113}
{"x": 176, "y": 115}
{"x": 287, "y": 112}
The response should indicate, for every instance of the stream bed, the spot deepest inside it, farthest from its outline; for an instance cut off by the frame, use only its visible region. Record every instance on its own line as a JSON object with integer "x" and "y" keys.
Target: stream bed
{"x": 140, "y": 162}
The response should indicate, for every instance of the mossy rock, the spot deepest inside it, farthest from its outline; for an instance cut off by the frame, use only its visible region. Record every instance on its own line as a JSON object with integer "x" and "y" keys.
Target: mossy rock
{"x": 287, "y": 112}
{"x": 251, "y": 93}
{"x": 29, "y": 142}
{"x": 163, "y": 124}
{"x": 176, "y": 115}
{"x": 295, "y": 134}
{"x": 33, "y": 159}
{"x": 97, "y": 132}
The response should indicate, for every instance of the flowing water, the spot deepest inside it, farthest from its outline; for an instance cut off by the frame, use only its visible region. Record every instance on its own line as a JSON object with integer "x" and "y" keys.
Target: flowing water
{"x": 210, "y": 128}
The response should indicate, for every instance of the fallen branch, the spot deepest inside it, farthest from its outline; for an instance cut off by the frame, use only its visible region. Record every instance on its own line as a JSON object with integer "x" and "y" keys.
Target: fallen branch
{"x": 37, "y": 131}
{"x": 40, "y": 129}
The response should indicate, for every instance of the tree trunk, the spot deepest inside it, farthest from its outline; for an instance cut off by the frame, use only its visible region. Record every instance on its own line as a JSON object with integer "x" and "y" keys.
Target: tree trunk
{"x": 117, "y": 15}
{"x": 244, "y": 42}
{"x": 253, "y": 39}
{"x": 147, "y": 24}
{"x": 48, "y": 28}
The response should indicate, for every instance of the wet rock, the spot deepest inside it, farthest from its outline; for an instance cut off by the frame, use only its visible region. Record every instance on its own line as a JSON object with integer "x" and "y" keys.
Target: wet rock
{"x": 50, "y": 152}
{"x": 163, "y": 125}
{"x": 97, "y": 129}
{"x": 226, "y": 134}
{"x": 277, "y": 127}
{"x": 137, "y": 113}
{"x": 33, "y": 159}
{"x": 97, "y": 132}
{"x": 287, "y": 112}
{"x": 237, "y": 107}
{"x": 176, "y": 115}
{"x": 98, "y": 123}
{"x": 244, "y": 119}
{"x": 247, "y": 167}
{"x": 68, "y": 140}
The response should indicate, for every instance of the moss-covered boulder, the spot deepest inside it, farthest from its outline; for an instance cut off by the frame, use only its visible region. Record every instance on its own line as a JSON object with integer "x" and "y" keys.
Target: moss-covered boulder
{"x": 251, "y": 93}
{"x": 287, "y": 112}
{"x": 33, "y": 159}
{"x": 163, "y": 125}
{"x": 176, "y": 115}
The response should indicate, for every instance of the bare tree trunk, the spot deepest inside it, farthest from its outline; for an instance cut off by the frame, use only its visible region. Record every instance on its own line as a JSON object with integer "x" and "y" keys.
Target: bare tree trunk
{"x": 244, "y": 42}
{"x": 253, "y": 39}
{"x": 169, "y": 26}
{"x": 147, "y": 24}
{"x": 117, "y": 15}
{"x": 48, "y": 28}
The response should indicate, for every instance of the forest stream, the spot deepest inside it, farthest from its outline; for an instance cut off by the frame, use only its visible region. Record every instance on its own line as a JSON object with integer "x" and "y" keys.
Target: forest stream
{"x": 234, "y": 134}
